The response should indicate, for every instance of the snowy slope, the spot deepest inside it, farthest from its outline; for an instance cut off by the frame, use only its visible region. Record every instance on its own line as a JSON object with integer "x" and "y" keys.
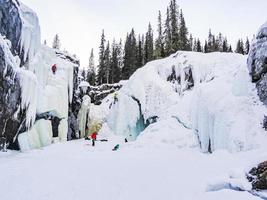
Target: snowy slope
{"x": 208, "y": 96}
{"x": 77, "y": 171}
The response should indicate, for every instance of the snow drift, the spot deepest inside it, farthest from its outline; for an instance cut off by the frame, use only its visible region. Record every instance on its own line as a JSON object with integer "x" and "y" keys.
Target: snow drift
{"x": 208, "y": 95}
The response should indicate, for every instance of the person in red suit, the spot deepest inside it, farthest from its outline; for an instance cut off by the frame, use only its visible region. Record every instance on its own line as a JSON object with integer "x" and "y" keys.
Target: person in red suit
{"x": 54, "y": 68}
{"x": 93, "y": 136}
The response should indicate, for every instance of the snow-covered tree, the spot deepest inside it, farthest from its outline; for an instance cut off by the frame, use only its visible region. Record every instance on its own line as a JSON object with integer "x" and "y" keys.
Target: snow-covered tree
{"x": 101, "y": 68}
{"x": 56, "y": 42}
{"x": 167, "y": 35}
{"x": 91, "y": 74}
{"x": 149, "y": 45}
{"x": 159, "y": 44}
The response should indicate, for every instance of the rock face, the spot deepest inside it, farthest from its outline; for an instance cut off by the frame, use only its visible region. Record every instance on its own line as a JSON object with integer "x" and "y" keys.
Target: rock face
{"x": 13, "y": 54}
{"x": 97, "y": 94}
{"x": 10, "y": 94}
{"x": 11, "y": 24}
{"x": 258, "y": 176}
{"x": 257, "y": 62}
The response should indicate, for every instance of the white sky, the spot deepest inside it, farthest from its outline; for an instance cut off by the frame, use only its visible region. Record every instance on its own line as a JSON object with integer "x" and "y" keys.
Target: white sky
{"x": 79, "y": 22}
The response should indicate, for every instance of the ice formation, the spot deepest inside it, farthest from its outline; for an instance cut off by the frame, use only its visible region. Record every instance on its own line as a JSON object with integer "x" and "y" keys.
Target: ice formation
{"x": 83, "y": 116}
{"x": 208, "y": 94}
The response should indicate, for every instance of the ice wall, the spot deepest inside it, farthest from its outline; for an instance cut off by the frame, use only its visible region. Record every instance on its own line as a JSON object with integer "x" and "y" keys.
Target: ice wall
{"x": 208, "y": 94}
{"x": 83, "y": 116}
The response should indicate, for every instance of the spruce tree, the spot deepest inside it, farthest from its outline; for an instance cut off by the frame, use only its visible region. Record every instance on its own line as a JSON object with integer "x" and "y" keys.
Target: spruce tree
{"x": 230, "y": 49}
{"x": 83, "y": 74}
{"x": 56, "y": 42}
{"x": 159, "y": 46}
{"x": 114, "y": 64}
{"x": 107, "y": 64}
{"x": 240, "y": 47}
{"x": 206, "y": 47}
{"x": 210, "y": 43}
{"x": 183, "y": 34}
{"x": 101, "y": 68}
{"x": 149, "y": 45}
{"x": 167, "y": 35}
{"x": 247, "y": 46}
{"x": 192, "y": 42}
{"x": 199, "y": 47}
{"x": 130, "y": 56}
{"x": 91, "y": 74}
{"x": 225, "y": 45}
{"x": 140, "y": 52}
{"x": 120, "y": 56}
{"x": 174, "y": 15}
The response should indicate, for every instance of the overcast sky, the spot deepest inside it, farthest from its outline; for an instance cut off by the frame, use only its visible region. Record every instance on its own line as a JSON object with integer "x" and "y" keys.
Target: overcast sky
{"x": 79, "y": 22}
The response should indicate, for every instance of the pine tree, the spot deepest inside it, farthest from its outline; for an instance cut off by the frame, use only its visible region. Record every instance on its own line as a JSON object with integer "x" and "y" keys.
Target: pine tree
{"x": 91, "y": 74}
{"x": 192, "y": 42}
{"x": 220, "y": 41}
{"x": 83, "y": 74}
{"x": 114, "y": 64}
{"x": 206, "y": 47}
{"x": 230, "y": 49}
{"x": 120, "y": 56}
{"x": 167, "y": 35}
{"x": 240, "y": 47}
{"x": 140, "y": 52}
{"x": 107, "y": 63}
{"x": 174, "y": 26}
{"x": 183, "y": 34}
{"x": 101, "y": 68}
{"x": 149, "y": 45}
{"x": 247, "y": 46}
{"x": 130, "y": 56}
{"x": 56, "y": 42}
{"x": 210, "y": 43}
{"x": 199, "y": 48}
{"x": 225, "y": 45}
{"x": 159, "y": 46}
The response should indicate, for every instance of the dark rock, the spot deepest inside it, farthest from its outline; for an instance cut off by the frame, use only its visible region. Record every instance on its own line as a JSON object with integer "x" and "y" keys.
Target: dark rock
{"x": 98, "y": 93}
{"x": 257, "y": 62}
{"x": 258, "y": 176}
{"x": 11, "y": 24}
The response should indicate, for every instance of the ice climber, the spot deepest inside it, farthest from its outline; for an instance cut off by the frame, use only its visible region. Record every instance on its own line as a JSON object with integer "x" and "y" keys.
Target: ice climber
{"x": 115, "y": 97}
{"x": 54, "y": 68}
{"x": 93, "y": 136}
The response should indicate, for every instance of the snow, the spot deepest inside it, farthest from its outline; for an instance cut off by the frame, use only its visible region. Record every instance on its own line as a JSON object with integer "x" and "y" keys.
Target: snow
{"x": 222, "y": 109}
{"x": 76, "y": 170}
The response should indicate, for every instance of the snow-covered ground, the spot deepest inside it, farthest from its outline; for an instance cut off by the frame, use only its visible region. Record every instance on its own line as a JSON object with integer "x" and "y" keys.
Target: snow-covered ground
{"x": 77, "y": 171}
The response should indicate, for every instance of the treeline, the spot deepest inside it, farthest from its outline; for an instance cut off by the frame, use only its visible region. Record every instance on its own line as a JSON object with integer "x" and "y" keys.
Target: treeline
{"x": 119, "y": 61}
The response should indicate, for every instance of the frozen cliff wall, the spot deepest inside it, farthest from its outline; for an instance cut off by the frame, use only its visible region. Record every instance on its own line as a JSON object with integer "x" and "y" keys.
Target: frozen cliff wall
{"x": 257, "y": 62}
{"x": 209, "y": 96}
{"x": 28, "y": 87}
{"x": 18, "y": 88}
{"x": 20, "y": 25}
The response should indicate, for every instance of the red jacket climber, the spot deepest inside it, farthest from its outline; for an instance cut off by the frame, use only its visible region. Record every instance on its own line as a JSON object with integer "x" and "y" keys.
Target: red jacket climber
{"x": 54, "y": 68}
{"x": 93, "y": 136}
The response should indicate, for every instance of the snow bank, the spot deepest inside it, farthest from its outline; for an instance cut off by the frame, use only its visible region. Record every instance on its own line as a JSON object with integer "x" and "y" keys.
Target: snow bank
{"x": 209, "y": 94}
